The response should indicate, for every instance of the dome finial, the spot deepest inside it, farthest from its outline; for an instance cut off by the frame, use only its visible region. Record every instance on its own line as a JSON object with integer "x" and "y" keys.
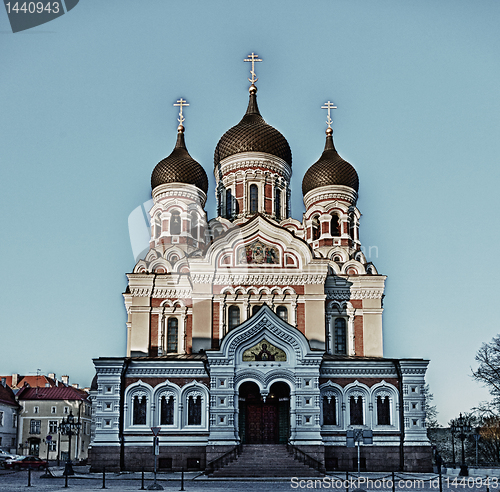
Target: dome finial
{"x": 253, "y": 58}
{"x": 180, "y": 104}
{"x": 329, "y": 106}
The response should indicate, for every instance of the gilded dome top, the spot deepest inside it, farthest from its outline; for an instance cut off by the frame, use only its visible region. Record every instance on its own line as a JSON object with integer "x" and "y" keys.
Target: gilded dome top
{"x": 330, "y": 169}
{"x": 179, "y": 167}
{"x": 252, "y": 134}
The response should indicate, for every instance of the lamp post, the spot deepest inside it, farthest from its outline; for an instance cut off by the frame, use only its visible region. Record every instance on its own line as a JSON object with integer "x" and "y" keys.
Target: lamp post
{"x": 68, "y": 427}
{"x": 453, "y": 444}
{"x": 463, "y": 428}
{"x": 476, "y": 437}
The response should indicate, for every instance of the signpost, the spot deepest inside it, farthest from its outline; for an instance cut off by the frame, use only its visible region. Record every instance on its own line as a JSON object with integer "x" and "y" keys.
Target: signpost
{"x": 357, "y": 436}
{"x": 47, "y": 473}
{"x": 156, "y": 452}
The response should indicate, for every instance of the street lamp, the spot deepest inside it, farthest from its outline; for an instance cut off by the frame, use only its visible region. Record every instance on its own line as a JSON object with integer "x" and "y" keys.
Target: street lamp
{"x": 453, "y": 444}
{"x": 463, "y": 428}
{"x": 68, "y": 427}
{"x": 476, "y": 437}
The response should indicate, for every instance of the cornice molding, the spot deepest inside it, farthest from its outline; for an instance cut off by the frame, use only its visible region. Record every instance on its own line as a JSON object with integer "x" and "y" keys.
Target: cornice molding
{"x": 249, "y": 160}
{"x": 179, "y": 190}
{"x": 346, "y": 294}
{"x": 330, "y": 192}
{"x": 258, "y": 279}
{"x": 160, "y": 293}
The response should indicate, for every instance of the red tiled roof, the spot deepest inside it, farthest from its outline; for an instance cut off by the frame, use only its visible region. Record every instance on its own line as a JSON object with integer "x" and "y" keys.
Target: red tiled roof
{"x": 7, "y": 396}
{"x": 32, "y": 381}
{"x": 52, "y": 393}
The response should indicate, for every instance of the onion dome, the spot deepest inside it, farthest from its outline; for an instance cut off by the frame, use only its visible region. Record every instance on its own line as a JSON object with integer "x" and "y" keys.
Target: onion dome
{"x": 179, "y": 167}
{"x": 330, "y": 169}
{"x": 253, "y": 134}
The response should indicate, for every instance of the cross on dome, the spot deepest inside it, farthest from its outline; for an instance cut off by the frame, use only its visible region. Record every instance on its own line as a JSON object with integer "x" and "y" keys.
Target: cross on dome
{"x": 329, "y": 106}
{"x": 253, "y": 58}
{"x": 180, "y": 104}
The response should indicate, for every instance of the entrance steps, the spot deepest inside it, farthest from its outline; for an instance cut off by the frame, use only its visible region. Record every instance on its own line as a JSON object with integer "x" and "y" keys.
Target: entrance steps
{"x": 265, "y": 460}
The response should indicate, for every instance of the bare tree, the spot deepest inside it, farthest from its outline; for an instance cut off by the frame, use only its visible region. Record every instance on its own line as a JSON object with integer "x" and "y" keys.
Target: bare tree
{"x": 431, "y": 412}
{"x": 488, "y": 372}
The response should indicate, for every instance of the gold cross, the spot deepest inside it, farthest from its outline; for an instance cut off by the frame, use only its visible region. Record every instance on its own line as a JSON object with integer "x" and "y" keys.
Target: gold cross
{"x": 253, "y": 58}
{"x": 329, "y": 105}
{"x": 181, "y": 103}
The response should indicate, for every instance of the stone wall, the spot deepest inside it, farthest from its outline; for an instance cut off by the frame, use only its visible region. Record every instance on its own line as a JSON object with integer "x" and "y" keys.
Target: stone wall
{"x": 378, "y": 458}
{"x": 171, "y": 458}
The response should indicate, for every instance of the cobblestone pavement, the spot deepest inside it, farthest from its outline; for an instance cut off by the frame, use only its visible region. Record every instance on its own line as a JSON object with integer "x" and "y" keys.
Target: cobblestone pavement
{"x": 12, "y": 481}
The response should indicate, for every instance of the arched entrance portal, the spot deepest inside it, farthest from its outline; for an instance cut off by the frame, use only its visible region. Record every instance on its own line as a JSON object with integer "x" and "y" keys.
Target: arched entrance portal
{"x": 264, "y": 421}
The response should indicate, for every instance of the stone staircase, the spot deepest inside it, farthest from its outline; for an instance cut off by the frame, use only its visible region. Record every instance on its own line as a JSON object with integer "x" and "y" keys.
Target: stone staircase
{"x": 265, "y": 460}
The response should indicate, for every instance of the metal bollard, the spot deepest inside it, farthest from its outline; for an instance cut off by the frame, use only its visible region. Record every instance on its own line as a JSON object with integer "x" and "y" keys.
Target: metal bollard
{"x": 487, "y": 484}
{"x": 182, "y": 478}
{"x": 65, "y": 480}
{"x": 346, "y": 481}
{"x": 393, "y": 482}
{"x": 104, "y": 477}
{"x": 29, "y": 476}
{"x": 142, "y": 483}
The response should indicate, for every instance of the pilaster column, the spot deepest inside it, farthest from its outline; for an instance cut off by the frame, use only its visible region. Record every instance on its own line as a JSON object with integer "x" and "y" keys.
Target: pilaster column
{"x": 294, "y": 309}
{"x": 329, "y": 340}
{"x": 350, "y": 329}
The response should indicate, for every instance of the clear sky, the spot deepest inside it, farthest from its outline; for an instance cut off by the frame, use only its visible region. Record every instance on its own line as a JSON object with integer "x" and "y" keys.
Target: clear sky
{"x": 86, "y": 113}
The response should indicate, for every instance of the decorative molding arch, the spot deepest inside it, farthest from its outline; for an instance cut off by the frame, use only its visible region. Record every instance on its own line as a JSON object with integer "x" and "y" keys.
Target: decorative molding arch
{"x": 195, "y": 389}
{"x": 141, "y": 389}
{"x": 353, "y": 264}
{"x": 329, "y": 390}
{"x": 167, "y": 389}
{"x": 385, "y": 390}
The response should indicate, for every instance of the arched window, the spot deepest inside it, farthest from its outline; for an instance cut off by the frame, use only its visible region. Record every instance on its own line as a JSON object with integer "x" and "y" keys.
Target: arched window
{"x": 315, "y": 229}
{"x": 234, "y": 317}
{"x": 335, "y": 225}
{"x": 157, "y": 231}
{"x": 254, "y": 199}
{"x": 278, "y": 204}
{"x": 175, "y": 223}
{"x": 167, "y": 409}
{"x": 340, "y": 336}
{"x": 351, "y": 226}
{"x": 194, "y": 225}
{"x": 219, "y": 204}
{"x": 194, "y": 409}
{"x": 139, "y": 410}
{"x": 172, "y": 334}
{"x": 356, "y": 410}
{"x": 255, "y": 309}
{"x": 282, "y": 312}
{"x": 329, "y": 409}
{"x": 383, "y": 410}
{"x": 229, "y": 204}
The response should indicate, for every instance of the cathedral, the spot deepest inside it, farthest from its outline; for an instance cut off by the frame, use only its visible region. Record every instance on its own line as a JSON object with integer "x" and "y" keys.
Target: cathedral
{"x": 255, "y": 327}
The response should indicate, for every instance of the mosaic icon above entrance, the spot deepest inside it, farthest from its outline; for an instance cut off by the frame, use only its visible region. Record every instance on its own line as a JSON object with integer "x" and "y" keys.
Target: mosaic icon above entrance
{"x": 258, "y": 253}
{"x": 264, "y": 351}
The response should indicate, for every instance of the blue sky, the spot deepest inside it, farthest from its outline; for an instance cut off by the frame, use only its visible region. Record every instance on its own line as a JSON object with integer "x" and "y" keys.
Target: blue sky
{"x": 86, "y": 113}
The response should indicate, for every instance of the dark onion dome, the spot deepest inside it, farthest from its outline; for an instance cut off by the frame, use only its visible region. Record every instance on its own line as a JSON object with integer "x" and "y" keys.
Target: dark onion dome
{"x": 179, "y": 167}
{"x": 330, "y": 169}
{"x": 252, "y": 134}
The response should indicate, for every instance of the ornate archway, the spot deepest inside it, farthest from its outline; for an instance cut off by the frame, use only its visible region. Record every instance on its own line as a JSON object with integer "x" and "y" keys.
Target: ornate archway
{"x": 264, "y": 420}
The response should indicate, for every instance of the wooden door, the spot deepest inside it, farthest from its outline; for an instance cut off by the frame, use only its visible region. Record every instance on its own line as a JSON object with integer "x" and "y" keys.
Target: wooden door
{"x": 254, "y": 424}
{"x": 269, "y": 423}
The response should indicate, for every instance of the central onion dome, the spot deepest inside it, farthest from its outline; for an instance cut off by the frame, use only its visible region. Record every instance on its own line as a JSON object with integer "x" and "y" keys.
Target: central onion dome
{"x": 179, "y": 167}
{"x": 330, "y": 169}
{"x": 252, "y": 134}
